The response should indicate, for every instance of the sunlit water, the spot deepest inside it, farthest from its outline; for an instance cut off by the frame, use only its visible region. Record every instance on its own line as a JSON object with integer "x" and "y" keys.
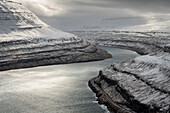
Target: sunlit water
{"x": 55, "y": 89}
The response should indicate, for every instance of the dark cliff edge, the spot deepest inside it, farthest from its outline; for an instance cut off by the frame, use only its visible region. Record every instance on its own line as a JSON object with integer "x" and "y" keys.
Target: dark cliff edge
{"x": 118, "y": 97}
{"x": 103, "y": 98}
{"x": 120, "y": 101}
{"x": 140, "y": 85}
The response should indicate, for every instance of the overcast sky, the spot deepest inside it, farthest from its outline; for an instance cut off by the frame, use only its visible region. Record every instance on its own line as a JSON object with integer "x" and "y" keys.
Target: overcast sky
{"x": 67, "y": 14}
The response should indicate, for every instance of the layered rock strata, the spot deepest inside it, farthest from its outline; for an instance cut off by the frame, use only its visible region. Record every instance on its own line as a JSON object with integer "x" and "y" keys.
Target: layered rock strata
{"x": 141, "y": 42}
{"x": 142, "y": 85}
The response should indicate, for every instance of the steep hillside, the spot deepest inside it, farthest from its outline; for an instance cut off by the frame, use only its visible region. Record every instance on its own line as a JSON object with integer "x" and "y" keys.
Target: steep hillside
{"x": 25, "y": 41}
{"x": 141, "y": 85}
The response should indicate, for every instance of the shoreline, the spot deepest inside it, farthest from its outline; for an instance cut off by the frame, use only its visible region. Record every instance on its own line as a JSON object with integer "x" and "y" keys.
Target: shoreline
{"x": 115, "y": 107}
{"x": 99, "y": 84}
{"x": 138, "y": 51}
{"x": 87, "y": 57}
{"x": 104, "y": 99}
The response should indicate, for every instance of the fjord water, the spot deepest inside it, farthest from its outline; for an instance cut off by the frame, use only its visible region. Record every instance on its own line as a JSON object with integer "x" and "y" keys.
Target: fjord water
{"x": 55, "y": 89}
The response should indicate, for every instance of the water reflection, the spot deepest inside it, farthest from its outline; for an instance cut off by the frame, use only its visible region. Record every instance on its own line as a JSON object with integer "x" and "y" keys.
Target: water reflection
{"x": 54, "y": 89}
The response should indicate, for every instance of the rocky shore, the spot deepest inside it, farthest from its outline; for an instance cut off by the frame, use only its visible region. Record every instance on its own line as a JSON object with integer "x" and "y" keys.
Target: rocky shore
{"x": 104, "y": 98}
{"x": 141, "y": 85}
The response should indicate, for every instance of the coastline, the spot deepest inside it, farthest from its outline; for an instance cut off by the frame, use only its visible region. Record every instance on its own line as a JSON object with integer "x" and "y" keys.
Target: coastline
{"x": 100, "y": 84}
{"x": 137, "y": 50}
{"x": 104, "y": 99}
{"x": 51, "y": 79}
{"x": 99, "y": 54}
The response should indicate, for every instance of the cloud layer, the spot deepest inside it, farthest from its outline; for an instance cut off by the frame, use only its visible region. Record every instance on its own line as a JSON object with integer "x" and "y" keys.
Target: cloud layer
{"x": 64, "y": 13}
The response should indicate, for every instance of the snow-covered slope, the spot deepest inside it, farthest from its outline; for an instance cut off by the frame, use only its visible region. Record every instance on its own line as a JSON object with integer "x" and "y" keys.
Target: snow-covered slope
{"x": 17, "y": 22}
{"x": 25, "y": 41}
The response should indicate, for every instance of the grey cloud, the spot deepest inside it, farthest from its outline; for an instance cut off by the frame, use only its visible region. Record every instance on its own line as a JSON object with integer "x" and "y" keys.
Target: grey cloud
{"x": 79, "y": 6}
{"x": 80, "y": 12}
{"x": 138, "y": 5}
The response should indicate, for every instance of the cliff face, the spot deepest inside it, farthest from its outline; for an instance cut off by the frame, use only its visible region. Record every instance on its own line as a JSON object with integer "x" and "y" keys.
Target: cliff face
{"x": 141, "y": 85}
{"x": 25, "y": 41}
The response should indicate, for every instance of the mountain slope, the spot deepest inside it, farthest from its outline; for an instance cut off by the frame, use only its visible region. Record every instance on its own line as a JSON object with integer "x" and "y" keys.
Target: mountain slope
{"x": 25, "y": 41}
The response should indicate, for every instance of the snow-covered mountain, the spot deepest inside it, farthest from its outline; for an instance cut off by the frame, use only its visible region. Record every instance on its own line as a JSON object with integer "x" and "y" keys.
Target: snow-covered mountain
{"x": 25, "y": 41}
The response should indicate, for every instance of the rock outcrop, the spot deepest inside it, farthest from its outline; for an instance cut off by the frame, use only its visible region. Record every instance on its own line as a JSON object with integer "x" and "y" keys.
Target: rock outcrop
{"x": 142, "y": 85}
{"x": 25, "y": 41}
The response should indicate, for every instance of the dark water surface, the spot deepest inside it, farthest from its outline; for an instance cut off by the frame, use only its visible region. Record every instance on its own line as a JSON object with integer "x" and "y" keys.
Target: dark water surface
{"x": 55, "y": 89}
